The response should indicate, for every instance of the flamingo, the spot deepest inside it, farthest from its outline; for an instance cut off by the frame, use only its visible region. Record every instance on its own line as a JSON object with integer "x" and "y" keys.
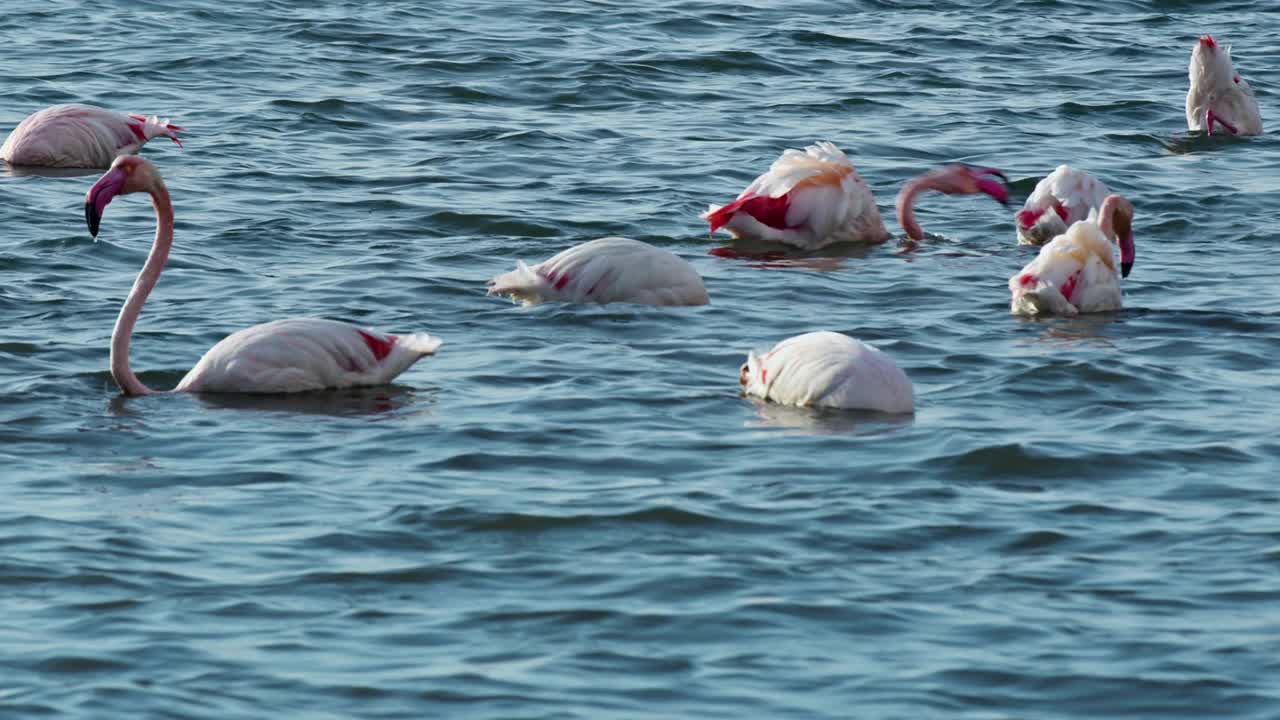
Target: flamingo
{"x": 813, "y": 197}
{"x": 952, "y": 180}
{"x": 1218, "y": 95}
{"x": 1076, "y": 271}
{"x": 277, "y": 357}
{"x": 1071, "y": 195}
{"x": 81, "y": 136}
{"x": 828, "y": 369}
{"x": 606, "y": 270}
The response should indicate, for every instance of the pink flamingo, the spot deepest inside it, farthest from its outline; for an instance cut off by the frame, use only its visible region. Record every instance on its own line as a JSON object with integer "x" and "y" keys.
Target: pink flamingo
{"x": 827, "y": 369}
{"x": 81, "y": 136}
{"x": 1217, "y": 94}
{"x": 606, "y": 270}
{"x": 813, "y": 198}
{"x": 951, "y": 180}
{"x": 1069, "y": 193}
{"x": 276, "y": 357}
{"x": 1076, "y": 272}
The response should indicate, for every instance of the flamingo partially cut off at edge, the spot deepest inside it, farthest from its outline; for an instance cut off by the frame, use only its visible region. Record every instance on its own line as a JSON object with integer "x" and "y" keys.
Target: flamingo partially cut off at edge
{"x": 284, "y": 356}
{"x": 827, "y": 369}
{"x": 81, "y": 136}
{"x": 606, "y": 270}
{"x": 814, "y": 197}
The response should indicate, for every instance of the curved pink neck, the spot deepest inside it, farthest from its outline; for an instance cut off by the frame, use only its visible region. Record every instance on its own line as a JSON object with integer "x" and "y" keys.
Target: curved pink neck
{"x": 142, "y": 286}
{"x": 905, "y": 205}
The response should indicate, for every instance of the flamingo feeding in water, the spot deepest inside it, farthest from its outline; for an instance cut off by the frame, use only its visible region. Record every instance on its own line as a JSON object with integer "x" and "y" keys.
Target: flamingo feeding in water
{"x": 1076, "y": 272}
{"x": 81, "y": 136}
{"x": 611, "y": 269}
{"x": 276, "y": 357}
{"x": 1065, "y": 196}
{"x": 1218, "y": 95}
{"x": 828, "y": 369}
{"x": 813, "y": 197}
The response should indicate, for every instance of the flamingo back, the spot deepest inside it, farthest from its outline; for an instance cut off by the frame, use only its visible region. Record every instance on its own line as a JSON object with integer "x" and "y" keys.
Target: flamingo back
{"x": 828, "y": 369}
{"x": 603, "y": 271}
{"x": 1062, "y": 197}
{"x": 1076, "y": 272}
{"x": 76, "y": 135}
{"x": 808, "y": 198}
{"x": 301, "y": 354}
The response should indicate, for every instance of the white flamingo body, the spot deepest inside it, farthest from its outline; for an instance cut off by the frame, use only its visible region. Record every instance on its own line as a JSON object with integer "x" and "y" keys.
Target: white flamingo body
{"x": 808, "y": 199}
{"x": 277, "y": 357}
{"x": 1063, "y": 197}
{"x": 80, "y": 136}
{"x": 300, "y": 354}
{"x": 606, "y": 270}
{"x": 1219, "y": 98}
{"x": 828, "y": 369}
{"x": 1074, "y": 273}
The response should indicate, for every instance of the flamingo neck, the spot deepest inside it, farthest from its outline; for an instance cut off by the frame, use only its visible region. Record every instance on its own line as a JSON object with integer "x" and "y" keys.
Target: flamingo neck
{"x": 142, "y": 287}
{"x": 905, "y": 206}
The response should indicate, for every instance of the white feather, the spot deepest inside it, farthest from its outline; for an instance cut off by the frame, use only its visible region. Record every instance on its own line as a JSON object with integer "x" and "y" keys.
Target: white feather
{"x": 1080, "y": 262}
{"x": 827, "y": 201}
{"x": 1076, "y": 191}
{"x": 1214, "y": 85}
{"x": 80, "y": 136}
{"x": 828, "y": 369}
{"x": 602, "y": 271}
{"x": 300, "y": 354}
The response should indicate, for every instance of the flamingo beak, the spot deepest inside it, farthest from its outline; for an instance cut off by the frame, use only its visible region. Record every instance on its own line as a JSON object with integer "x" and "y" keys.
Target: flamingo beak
{"x": 101, "y": 195}
{"x": 998, "y": 189}
{"x": 1126, "y": 255}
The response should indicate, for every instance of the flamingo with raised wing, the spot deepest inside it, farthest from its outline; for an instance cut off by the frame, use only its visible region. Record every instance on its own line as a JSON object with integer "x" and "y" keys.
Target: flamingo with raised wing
{"x": 606, "y": 270}
{"x": 814, "y": 197}
{"x": 81, "y": 136}
{"x": 276, "y": 357}
{"x": 1218, "y": 96}
{"x": 828, "y": 369}
{"x": 1076, "y": 272}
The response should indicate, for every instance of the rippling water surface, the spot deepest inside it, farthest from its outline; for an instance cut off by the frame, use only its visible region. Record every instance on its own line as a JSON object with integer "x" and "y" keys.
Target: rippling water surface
{"x": 570, "y": 512}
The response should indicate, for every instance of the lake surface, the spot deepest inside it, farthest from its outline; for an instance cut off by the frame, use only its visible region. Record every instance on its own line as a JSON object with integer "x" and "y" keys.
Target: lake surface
{"x": 571, "y": 512}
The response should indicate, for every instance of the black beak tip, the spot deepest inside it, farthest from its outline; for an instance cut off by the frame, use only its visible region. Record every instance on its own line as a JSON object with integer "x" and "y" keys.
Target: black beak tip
{"x": 91, "y": 219}
{"x": 1125, "y": 268}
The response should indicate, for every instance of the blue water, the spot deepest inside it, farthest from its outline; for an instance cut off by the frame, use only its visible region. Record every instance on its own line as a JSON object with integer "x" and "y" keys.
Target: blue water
{"x": 571, "y": 512}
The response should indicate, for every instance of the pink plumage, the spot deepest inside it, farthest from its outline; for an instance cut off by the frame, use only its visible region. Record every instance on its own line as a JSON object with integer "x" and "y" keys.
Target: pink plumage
{"x": 808, "y": 198}
{"x": 81, "y": 136}
{"x": 813, "y": 198}
{"x": 1077, "y": 271}
{"x": 276, "y": 357}
{"x": 1063, "y": 197}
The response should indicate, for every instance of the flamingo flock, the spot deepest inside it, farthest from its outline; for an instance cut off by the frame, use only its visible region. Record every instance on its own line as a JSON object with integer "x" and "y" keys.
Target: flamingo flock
{"x": 807, "y": 199}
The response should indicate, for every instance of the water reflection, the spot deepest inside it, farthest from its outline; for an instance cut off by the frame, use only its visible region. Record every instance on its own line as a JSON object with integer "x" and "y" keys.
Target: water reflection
{"x": 1086, "y": 329}
{"x": 25, "y": 171}
{"x": 776, "y": 256}
{"x": 347, "y": 402}
{"x": 825, "y": 421}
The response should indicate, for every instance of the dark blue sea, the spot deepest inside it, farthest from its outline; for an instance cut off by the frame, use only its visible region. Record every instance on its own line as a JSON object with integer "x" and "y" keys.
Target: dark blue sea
{"x": 571, "y": 511}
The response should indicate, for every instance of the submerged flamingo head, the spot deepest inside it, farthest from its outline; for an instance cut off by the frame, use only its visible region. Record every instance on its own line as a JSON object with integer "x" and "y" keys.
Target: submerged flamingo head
{"x": 128, "y": 174}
